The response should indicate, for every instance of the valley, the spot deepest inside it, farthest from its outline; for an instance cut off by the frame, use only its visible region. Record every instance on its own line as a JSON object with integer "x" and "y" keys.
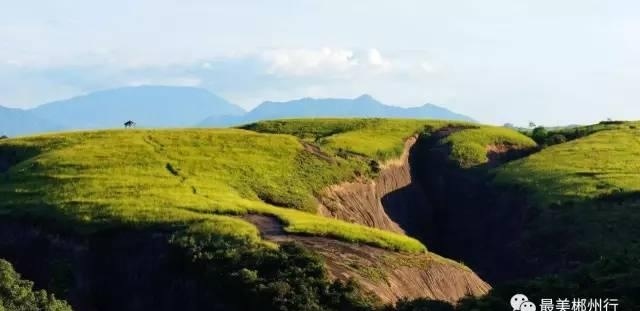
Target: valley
{"x": 393, "y": 209}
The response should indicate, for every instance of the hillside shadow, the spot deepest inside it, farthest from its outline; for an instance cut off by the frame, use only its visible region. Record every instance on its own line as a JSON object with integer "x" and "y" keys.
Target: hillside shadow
{"x": 12, "y": 155}
{"x": 456, "y": 213}
{"x": 497, "y": 230}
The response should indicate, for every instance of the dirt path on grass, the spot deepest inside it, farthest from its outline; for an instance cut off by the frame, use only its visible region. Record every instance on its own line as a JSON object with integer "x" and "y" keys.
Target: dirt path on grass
{"x": 388, "y": 274}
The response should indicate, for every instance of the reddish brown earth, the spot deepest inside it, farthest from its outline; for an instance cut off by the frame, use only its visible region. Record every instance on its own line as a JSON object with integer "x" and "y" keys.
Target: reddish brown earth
{"x": 394, "y": 201}
{"x": 388, "y": 274}
{"x": 361, "y": 201}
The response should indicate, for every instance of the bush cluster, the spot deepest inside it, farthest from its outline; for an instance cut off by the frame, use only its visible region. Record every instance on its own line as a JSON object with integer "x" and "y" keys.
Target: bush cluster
{"x": 254, "y": 276}
{"x": 17, "y": 294}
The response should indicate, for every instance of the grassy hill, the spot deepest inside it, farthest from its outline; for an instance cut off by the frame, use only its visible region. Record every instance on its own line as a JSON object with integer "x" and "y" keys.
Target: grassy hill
{"x": 101, "y": 178}
{"x": 383, "y": 139}
{"x": 579, "y": 198}
{"x": 380, "y": 139}
{"x": 582, "y": 219}
{"x": 585, "y": 193}
{"x": 140, "y": 177}
{"x": 600, "y": 164}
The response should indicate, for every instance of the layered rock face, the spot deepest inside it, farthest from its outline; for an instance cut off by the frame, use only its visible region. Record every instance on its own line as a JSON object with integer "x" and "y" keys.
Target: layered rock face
{"x": 371, "y": 202}
{"x": 388, "y": 274}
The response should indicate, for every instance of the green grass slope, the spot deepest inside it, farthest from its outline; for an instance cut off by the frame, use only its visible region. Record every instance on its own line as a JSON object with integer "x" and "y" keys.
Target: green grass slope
{"x": 469, "y": 146}
{"x": 383, "y": 139}
{"x": 379, "y": 139}
{"x": 600, "y": 164}
{"x": 142, "y": 177}
{"x": 583, "y": 216}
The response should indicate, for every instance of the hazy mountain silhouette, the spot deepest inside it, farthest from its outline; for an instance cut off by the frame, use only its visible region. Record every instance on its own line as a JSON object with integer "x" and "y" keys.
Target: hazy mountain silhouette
{"x": 363, "y": 106}
{"x": 168, "y": 106}
{"x": 148, "y": 106}
{"x": 20, "y": 122}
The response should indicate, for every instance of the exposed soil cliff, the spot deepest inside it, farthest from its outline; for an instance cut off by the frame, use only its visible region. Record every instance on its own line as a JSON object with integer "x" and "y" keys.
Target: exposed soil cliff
{"x": 364, "y": 201}
{"x": 470, "y": 219}
{"x": 457, "y": 213}
{"x": 390, "y": 275}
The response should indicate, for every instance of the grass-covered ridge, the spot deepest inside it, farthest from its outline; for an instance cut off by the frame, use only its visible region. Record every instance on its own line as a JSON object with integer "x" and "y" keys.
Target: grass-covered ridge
{"x": 141, "y": 177}
{"x": 600, "y": 164}
{"x": 379, "y": 139}
{"x": 383, "y": 139}
{"x": 469, "y": 146}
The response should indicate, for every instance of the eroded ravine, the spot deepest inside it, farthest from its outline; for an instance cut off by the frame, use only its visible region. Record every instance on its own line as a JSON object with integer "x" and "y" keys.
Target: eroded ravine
{"x": 454, "y": 212}
{"x": 363, "y": 201}
{"x": 388, "y": 274}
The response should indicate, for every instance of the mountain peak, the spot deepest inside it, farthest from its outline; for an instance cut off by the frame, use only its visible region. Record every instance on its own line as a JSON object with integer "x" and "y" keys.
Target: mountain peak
{"x": 364, "y": 97}
{"x": 363, "y": 106}
{"x": 148, "y": 105}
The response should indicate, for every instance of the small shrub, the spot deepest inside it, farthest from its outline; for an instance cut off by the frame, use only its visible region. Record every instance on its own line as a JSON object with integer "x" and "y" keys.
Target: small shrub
{"x": 556, "y": 139}
{"x": 375, "y": 166}
{"x": 539, "y": 134}
{"x": 609, "y": 122}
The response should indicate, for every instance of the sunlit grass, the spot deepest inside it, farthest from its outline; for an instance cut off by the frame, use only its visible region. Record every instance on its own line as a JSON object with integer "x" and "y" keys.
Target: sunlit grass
{"x": 141, "y": 177}
{"x": 379, "y": 139}
{"x": 469, "y": 146}
{"x": 600, "y": 164}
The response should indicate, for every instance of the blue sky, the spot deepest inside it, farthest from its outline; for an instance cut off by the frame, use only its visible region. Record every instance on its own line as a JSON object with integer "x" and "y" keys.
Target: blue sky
{"x": 552, "y": 62}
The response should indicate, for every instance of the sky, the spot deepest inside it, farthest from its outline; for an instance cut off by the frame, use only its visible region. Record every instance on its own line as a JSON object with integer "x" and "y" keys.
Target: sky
{"x": 547, "y": 61}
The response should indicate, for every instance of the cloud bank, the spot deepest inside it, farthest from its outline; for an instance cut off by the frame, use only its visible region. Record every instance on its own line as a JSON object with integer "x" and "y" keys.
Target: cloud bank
{"x": 245, "y": 78}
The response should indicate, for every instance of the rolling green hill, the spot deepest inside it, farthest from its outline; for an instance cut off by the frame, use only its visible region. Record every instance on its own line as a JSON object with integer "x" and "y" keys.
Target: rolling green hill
{"x": 572, "y": 206}
{"x": 597, "y": 165}
{"x": 140, "y": 177}
{"x": 380, "y": 139}
{"x": 94, "y": 179}
{"x": 383, "y": 139}
{"x": 581, "y": 222}
{"x": 585, "y": 190}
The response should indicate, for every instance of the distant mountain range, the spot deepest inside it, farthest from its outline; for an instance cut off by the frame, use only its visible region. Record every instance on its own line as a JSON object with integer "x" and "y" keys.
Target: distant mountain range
{"x": 149, "y": 106}
{"x": 19, "y": 122}
{"x": 363, "y": 106}
{"x": 165, "y": 106}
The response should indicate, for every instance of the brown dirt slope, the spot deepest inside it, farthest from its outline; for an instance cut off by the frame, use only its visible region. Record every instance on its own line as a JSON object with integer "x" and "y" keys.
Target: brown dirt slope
{"x": 390, "y": 275}
{"x": 361, "y": 201}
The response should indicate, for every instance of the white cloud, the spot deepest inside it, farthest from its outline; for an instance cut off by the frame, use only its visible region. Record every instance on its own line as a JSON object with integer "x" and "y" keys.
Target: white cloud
{"x": 376, "y": 60}
{"x": 327, "y": 62}
{"x": 303, "y": 62}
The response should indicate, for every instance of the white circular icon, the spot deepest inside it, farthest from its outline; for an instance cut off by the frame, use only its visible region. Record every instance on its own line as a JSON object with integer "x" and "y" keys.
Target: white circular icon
{"x": 528, "y": 306}
{"x": 517, "y": 300}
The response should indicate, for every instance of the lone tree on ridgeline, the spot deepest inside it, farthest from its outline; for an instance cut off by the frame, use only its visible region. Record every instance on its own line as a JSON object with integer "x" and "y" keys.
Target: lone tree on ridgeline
{"x": 3, "y": 137}
{"x": 129, "y": 124}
